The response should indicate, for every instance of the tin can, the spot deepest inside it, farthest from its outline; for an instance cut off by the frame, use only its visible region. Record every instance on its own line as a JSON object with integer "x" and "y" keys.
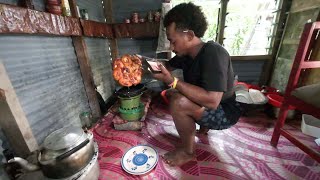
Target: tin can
{"x": 135, "y": 18}
{"x": 127, "y": 20}
{"x": 84, "y": 14}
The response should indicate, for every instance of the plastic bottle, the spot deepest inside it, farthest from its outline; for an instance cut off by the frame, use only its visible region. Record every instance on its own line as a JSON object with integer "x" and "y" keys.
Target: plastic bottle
{"x": 65, "y": 8}
{"x": 235, "y": 82}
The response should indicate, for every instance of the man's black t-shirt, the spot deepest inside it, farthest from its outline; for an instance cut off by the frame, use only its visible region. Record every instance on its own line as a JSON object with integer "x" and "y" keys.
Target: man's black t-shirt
{"x": 212, "y": 70}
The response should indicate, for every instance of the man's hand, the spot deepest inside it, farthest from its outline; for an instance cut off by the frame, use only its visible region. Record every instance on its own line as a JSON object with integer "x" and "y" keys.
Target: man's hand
{"x": 165, "y": 76}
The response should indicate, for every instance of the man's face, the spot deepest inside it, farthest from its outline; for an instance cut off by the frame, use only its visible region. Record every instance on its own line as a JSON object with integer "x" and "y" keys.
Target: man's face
{"x": 178, "y": 40}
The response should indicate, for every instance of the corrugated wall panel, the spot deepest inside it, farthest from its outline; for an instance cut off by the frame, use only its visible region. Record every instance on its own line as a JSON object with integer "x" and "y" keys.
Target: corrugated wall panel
{"x": 248, "y": 71}
{"x": 100, "y": 61}
{"x": 12, "y": 2}
{"x": 39, "y": 5}
{"x": 46, "y": 77}
{"x": 94, "y": 7}
{"x": 145, "y": 47}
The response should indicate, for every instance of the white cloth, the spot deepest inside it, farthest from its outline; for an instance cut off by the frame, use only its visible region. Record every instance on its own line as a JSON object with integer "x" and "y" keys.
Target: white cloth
{"x": 163, "y": 43}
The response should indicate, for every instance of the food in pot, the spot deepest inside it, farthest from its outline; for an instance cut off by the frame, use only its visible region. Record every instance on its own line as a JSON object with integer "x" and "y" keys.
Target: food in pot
{"x": 127, "y": 70}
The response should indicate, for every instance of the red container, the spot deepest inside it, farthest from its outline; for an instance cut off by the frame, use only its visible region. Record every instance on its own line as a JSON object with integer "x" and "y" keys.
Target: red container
{"x": 276, "y": 100}
{"x": 53, "y": 2}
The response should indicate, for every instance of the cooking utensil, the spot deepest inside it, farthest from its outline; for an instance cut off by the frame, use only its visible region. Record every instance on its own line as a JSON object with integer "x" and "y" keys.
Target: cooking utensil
{"x": 131, "y": 91}
{"x": 64, "y": 153}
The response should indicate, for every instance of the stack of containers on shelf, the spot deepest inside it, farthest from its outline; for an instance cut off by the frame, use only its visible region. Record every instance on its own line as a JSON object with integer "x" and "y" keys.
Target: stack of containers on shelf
{"x": 54, "y": 7}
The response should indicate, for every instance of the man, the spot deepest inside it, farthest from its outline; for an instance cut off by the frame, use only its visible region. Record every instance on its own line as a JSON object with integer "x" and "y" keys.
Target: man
{"x": 205, "y": 95}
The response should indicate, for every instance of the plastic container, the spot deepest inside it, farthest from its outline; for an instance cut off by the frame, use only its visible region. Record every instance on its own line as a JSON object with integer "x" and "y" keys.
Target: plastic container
{"x": 310, "y": 125}
{"x": 276, "y": 100}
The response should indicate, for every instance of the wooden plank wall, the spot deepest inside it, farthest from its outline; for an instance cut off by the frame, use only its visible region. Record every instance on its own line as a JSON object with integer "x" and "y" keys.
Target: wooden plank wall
{"x": 300, "y": 13}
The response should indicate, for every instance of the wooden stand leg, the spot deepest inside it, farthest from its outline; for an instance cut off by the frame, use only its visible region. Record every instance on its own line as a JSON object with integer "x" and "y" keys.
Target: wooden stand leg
{"x": 279, "y": 124}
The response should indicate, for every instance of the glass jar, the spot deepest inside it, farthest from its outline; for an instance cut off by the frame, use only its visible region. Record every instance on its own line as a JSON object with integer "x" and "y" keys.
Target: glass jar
{"x": 86, "y": 119}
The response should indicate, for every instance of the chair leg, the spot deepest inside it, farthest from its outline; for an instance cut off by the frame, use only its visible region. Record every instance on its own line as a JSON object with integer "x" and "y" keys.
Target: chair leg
{"x": 279, "y": 124}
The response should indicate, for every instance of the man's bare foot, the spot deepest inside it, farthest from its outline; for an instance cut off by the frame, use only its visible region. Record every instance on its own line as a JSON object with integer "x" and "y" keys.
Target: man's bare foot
{"x": 203, "y": 130}
{"x": 178, "y": 157}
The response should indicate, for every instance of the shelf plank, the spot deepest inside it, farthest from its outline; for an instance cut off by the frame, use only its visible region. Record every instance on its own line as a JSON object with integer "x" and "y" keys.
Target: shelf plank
{"x": 96, "y": 29}
{"x": 139, "y": 30}
{"x": 18, "y": 20}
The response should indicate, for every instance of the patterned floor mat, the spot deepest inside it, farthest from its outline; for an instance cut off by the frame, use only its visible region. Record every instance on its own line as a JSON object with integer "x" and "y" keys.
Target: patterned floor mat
{"x": 240, "y": 152}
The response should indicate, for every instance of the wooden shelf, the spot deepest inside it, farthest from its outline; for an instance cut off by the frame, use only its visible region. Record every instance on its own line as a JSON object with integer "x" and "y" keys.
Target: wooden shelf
{"x": 18, "y": 20}
{"x": 139, "y": 30}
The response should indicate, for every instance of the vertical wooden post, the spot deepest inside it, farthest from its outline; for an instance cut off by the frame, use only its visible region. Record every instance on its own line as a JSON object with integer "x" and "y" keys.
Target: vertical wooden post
{"x": 108, "y": 14}
{"x": 13, "y": 119}
{"x": 85, "y": 68}
{"x": 268, "y": 68}
{"x": 222, "y": 21}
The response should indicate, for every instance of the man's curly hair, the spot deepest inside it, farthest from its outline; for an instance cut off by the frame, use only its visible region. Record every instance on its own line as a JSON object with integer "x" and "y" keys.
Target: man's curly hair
{"x": 187, "y": 16}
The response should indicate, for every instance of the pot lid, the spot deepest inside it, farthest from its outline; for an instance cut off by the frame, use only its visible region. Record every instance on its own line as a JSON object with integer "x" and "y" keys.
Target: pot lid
{"x": 64, "y": 138}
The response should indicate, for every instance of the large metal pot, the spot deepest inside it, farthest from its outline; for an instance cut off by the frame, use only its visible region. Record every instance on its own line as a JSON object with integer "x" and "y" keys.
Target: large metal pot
{"x": 65, "y": 152}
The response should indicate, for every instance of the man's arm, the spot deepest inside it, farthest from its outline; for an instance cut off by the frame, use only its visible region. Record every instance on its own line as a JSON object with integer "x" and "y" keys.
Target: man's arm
{"x": 209, "y": 99}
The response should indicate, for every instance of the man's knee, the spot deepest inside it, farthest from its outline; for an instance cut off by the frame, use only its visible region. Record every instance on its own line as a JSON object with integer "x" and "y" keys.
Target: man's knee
{"x": 179, "y": 101}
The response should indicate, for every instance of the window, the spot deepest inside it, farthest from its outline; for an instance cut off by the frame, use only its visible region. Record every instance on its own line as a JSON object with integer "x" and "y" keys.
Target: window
{"x": 211, "y": 9}
{"x": 249, "y": 26}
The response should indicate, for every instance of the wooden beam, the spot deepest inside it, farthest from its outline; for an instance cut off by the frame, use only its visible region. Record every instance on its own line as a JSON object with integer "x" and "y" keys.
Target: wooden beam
{"x": 251, "y": 58}
{"x": 85, "y": 68}
{"x": 13, "y": 119}
{"x": 86, "y": 73}
{"x": 16, "y": 20}
{"x": 222, "y": 21}
{"x": 108, "y": 10}
{"x": 282, "y": 18}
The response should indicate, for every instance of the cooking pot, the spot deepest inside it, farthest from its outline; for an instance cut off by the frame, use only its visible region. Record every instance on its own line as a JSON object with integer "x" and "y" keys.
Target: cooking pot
{"x": 131, "y": 91}
{"x": 65, "y": 152}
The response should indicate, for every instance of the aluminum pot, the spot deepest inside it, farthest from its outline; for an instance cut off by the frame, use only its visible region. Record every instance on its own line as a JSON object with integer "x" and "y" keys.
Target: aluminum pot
{"x": 65, "y": 152}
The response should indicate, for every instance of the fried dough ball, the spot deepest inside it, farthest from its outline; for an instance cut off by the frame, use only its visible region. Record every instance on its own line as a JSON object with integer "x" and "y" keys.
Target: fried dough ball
{"x": 127, "y": 70}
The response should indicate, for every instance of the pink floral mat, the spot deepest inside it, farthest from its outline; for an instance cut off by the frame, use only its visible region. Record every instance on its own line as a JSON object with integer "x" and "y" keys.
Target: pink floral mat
{"x": 241, "y": 152}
